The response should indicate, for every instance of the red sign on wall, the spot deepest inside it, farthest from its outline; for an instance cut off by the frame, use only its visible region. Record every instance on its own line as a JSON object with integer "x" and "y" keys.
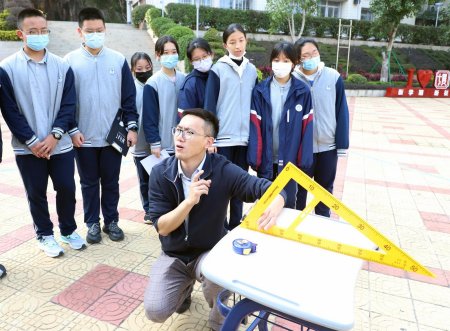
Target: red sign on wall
{"x": 442, "y": 79}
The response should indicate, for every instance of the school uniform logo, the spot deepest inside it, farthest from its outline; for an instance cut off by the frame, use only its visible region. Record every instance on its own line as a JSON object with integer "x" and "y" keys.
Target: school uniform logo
{"x": 299, "y": 108}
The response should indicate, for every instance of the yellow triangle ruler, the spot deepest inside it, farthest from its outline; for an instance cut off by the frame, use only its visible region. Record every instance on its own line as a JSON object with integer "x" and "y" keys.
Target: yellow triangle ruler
{"x": 391, "y": 255}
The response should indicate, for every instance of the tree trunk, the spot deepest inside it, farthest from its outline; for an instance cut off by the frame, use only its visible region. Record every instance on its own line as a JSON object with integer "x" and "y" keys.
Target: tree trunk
{"x": 384, "y": 76}
{"x": 303, "y": 24}
{"x": 292, "y": 27}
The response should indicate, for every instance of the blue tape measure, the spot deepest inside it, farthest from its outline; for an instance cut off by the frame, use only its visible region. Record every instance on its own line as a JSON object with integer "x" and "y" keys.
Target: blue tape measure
{"x": 244, "y": 246}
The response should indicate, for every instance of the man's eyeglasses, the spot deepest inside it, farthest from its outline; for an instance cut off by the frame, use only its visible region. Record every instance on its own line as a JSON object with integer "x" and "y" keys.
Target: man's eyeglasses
{"x": 35, "y": 32}
{"x": 185, "y": 133}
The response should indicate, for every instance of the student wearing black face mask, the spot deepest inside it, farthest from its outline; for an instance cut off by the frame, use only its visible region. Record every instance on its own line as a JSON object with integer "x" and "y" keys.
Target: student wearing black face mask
{"x": 142, "y": 69}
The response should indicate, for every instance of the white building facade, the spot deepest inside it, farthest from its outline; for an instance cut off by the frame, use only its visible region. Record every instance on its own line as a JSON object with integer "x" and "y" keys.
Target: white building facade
{"x": 346, "y": 9}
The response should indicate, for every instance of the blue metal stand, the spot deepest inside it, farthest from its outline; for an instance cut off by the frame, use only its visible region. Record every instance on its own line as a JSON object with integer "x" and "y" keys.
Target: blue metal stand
{"x": 236, "y": 314}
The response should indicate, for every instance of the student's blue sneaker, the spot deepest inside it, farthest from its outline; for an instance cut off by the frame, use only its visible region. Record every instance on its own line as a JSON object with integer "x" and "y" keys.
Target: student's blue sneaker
{"x": 50, "y": 247}
{"x": 74, "y": 241}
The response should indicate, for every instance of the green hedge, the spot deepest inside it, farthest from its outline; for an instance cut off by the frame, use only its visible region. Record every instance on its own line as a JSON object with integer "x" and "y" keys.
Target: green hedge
{"x": 212, "y": 35}
{"x": 356, "y": 79}
{"x": 157, "y": 23}
{"x": 151, "y": 14}
{"x": 183, "y": 43}
{"x": 179, "y": 31}
{"x": 259, "y": 21}
{"x": 218, "y": 18}
{"x": 138, "y": 14}
{"x": 165, "y": 27}
{"x": 9, "y": 36}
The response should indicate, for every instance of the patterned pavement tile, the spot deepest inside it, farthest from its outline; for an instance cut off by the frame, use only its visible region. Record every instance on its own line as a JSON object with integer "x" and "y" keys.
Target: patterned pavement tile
{"x": 144, "y": 267}
{"x": 126, "y": 260}
{"x": 47, "y": 317}
{"x": 19, "y": 306}
{"x": 432, "y": 315}
{"x": 83, "y": 323}
{"x": 392, "y": 305}
{"x": 434, "y": 294}
{"x": 74, "y": 267}
{"x": 47, "y": 286}
{"x": 99, "y": 253}
{"x": 389, "y": 323}
{"x": 132, "y": 285}
{"x": 24, "y": 252}
{"x": 112, "y": 308}
{"x": 78, "y": 296}
{"x": 389, "y": 284}
{"x": 103, "y": 276}
{"x": 147, "y": 246}
{"x": 21, "y": 275}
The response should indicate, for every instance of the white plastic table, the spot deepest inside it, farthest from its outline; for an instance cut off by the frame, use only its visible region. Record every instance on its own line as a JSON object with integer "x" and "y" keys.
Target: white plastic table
{"x": 302, "y": 281}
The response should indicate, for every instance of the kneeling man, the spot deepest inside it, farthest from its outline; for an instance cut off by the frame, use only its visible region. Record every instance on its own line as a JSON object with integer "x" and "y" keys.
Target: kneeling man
{"x": 189, "y": 196}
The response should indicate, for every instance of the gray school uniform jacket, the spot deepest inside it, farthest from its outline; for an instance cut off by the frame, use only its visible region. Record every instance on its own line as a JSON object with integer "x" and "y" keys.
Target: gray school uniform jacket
{"x": 104, "y": 84}
{"x": 28, "y": 123}
{"x": 331, "y": 116}
{"x": 141, "y": 149}
{"x": 160, "y": 109}
{"x": 228, "y": 94}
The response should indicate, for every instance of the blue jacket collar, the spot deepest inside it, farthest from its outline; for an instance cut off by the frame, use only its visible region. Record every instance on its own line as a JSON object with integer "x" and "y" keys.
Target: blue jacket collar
{"x": 298, "y": 87}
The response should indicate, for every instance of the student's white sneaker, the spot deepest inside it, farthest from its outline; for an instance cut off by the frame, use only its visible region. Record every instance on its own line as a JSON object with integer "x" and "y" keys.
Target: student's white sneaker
{"x": 74, "y": 241}
{"x": 49, "y": 245}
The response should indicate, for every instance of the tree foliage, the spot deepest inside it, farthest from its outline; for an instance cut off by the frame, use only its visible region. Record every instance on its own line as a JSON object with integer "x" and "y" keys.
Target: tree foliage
{"x": 388, "y": 14}
{"x": 285, "y": 10}
{"x": 67, "y": 10}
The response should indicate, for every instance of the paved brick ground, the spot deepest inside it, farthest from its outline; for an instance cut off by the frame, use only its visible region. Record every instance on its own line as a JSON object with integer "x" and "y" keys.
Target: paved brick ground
{"x": 396, "y": 176}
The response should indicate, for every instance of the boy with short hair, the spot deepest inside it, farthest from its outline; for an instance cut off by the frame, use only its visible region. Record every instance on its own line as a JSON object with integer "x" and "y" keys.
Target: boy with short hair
{"x": 104, "y": 84}
{"x": 38, "y": 103}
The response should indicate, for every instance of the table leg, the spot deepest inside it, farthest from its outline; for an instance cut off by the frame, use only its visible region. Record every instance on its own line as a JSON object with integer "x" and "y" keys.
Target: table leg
{"x": 240, "y": 311}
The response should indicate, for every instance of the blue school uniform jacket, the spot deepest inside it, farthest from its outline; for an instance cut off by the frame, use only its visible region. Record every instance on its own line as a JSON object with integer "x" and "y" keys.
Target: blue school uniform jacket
{"x": 296, "y": 129}
{"x": 192, "y": 92}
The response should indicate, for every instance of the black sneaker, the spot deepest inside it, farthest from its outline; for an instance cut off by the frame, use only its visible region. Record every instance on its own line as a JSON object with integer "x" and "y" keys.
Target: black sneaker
{"x": 184, "y": 306}
{"x": 93, "y": 235}
{"x": 114, "y": 232}
{"x": 2, "y": 271}
{"x": 147, "y": 219}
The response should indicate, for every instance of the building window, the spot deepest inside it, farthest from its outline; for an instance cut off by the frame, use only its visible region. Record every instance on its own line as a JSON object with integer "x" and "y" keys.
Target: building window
{"x": 242, "y": 4}
{"x": 235, "y": 4}
{"x": 194, "y": 2}
{"x": 329, "y": 8}
{"x": 366, "y": 14}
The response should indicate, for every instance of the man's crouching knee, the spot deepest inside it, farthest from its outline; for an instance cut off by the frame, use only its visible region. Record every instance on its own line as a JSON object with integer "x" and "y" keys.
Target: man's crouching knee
{"x": 156, "y": 314}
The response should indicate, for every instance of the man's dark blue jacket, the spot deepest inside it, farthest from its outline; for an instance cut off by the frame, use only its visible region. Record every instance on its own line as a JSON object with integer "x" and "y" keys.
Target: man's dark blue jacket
{"x": 206, "y": 219}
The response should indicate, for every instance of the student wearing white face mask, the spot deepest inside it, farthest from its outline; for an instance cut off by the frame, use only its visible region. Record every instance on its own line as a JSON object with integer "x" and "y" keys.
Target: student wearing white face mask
{"x": 192, "y": 93}
{"x": 331, "y": 117}
{"x": 104, "y": 84}
{"x": 160, "y": 98}
{"x": 228, "y": 94}
{"x": 281, "y": 122}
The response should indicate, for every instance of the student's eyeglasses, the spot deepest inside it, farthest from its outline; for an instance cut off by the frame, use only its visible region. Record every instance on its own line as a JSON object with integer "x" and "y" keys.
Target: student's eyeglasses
{"x": 35, "y": 32}
{"x": 185, "y": 133}
{"x": 308, "y": 56}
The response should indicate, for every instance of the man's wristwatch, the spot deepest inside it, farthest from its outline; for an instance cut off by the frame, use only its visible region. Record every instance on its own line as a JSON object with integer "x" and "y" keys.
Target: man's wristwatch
{"x": 56, "y": 135}
{"x": 134, "y": 129}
